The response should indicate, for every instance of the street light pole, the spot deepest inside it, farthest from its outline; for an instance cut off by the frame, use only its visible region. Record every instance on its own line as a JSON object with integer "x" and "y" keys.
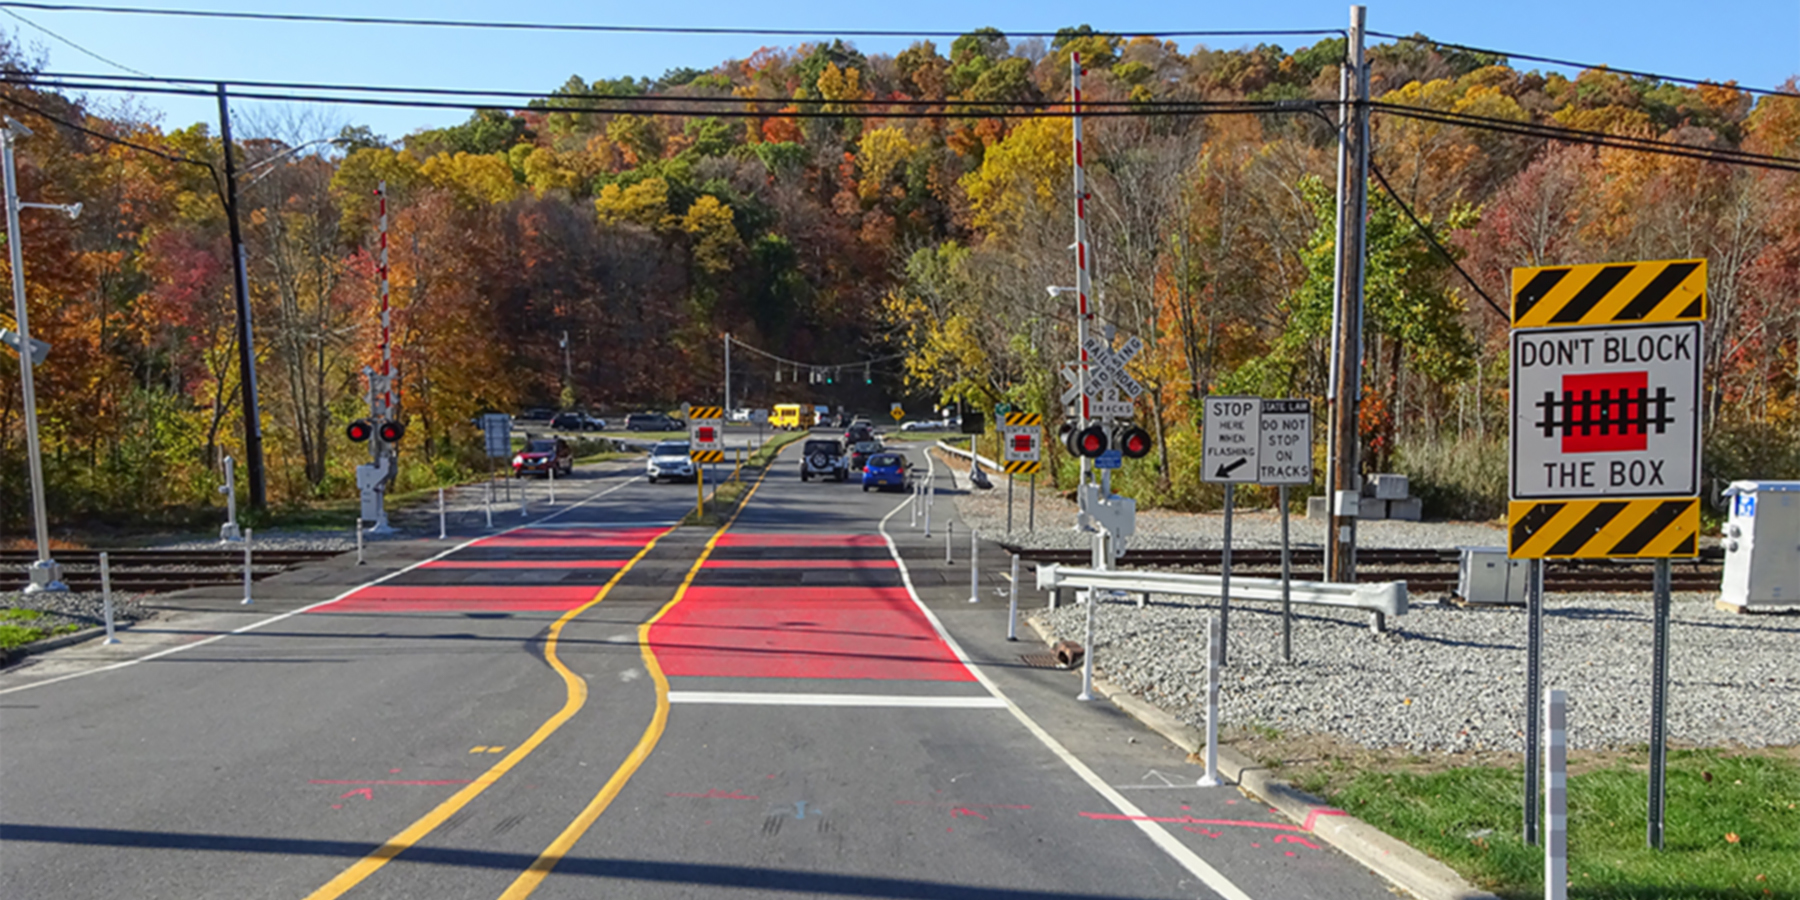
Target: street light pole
{"x": 46, "y": 575}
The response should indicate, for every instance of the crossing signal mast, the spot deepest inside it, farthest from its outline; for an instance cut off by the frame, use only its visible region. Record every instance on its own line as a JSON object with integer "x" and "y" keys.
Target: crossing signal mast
{"x": 382, "y": 430}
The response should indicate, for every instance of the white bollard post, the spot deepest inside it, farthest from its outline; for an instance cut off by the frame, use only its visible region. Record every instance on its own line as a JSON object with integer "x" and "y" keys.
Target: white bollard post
{"x": 1012, "y": 603}
{"x": 913, "y": 507}
{"x": 488, "y": 505}
{"x": 1087, "y": 653}
{"x": 524, "y": 505}
{"x": 106, "y": 597}
{"x": 442, "y": 532}
{"x": 929, "y": 496}
{"x": 949, "y": 549}
{"x": 359, "y": 541}
{"x": 553, "y": 485}
{"x": 1556, "y": 796}
{"x": 1215, "y": 658}
{"x": 247, "y": 535}
{"x": 974, "y": 566}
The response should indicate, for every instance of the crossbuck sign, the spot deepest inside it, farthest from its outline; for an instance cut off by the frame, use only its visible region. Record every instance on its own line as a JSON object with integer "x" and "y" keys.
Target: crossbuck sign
{"x": 1106, "y": 379}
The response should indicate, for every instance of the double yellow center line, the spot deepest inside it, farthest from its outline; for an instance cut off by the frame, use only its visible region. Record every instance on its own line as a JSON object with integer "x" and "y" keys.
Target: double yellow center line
{"x": 577, "y": 697}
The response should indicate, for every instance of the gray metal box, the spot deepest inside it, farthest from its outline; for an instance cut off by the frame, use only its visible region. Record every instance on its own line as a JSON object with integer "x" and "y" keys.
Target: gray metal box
{"x": 1762, "y": 545}
{"x": 1487, "y": 576}
{"x": 1411, "y": 509}
{"x": 1371, "y": 508}
{"x": 1388, "y": 487}
{"x": 1318, "y": 507}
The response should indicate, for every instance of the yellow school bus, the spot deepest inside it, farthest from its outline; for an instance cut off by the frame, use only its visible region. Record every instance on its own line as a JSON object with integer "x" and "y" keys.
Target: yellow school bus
{"x": 791, "y": 416}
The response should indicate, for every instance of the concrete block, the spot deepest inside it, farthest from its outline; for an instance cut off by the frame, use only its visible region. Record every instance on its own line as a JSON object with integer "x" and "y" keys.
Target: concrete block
{"x": 1388, "y": 487}
{"x": 1371, "y": 508}
{"x": 1408, "y": 510}
{"x": 1318, "y": 507}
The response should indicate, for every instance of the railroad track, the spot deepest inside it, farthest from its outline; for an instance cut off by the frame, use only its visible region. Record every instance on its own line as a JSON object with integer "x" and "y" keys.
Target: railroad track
{"x": 161, "y": 571}
{"x": 1426, "y": 571}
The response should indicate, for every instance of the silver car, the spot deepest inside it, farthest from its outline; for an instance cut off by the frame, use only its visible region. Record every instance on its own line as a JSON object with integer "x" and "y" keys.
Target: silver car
{"x": 669, "y": 460}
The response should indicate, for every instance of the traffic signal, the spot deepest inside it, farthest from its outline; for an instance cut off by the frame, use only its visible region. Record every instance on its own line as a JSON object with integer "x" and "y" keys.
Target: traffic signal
{"x": 360, "y": 430}
{"x": 1133, "y": 442}
{"x": 392, "y": 432}
{"x": 1091, "y": 441}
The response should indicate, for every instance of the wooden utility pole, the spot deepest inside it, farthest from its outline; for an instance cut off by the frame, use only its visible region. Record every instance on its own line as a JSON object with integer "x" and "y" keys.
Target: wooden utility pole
{"x": 1343, "y": 478}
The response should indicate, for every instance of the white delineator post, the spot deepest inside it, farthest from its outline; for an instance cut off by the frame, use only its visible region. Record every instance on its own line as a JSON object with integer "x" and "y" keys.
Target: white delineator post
{"x": 1087, "y": 648}
{"x": 913, "y": 507}
{"x": 488, "y": 504}
{"x": 1012, "y": 603}
{"x": 552, "y": 483}
{"x": 247, "y": 535}
{"x": 949, "y": 551}
{"x": 1215, "y": 658}
{"x": 1556, "y": 796}
{"x": 442, "y": 531}
{"x": 974, "y": 566}
{"x": 525, "y": 505}
{"x": 106, "y": 596}
{"x": 359, "y": 542}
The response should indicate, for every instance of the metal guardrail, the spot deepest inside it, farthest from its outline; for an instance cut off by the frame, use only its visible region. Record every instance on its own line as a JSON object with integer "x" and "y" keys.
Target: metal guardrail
{"x": 1389, "y": 597}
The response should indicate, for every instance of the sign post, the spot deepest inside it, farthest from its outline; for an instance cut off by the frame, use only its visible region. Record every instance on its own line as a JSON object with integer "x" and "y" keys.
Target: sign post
{"x": 1228, "y": 456}
{"x": 1605, "y": 448}
{"x": 1284, "y": 457}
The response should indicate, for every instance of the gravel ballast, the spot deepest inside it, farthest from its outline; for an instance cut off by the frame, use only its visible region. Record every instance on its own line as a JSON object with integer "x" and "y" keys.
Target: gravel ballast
{"x": 1447, "y": 678}
{"x": 82, "y": 608}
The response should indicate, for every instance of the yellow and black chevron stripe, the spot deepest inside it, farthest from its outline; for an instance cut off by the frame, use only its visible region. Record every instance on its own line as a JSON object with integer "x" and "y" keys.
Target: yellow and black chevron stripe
{"x": 1632, "y": 293}
{"x": 1022, "y": 466}
{"x": 1603, "y": 529}
{"x": 706, "y": 456}
{"x": 1024, "y": 420}
{"x": 706, "y": 412}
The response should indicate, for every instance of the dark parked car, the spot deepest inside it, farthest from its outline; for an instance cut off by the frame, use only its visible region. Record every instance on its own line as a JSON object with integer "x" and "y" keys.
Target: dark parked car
{"x": 572, "y": 421}
{"x": 651, "y": 422}
{"x": 543, "y": 454}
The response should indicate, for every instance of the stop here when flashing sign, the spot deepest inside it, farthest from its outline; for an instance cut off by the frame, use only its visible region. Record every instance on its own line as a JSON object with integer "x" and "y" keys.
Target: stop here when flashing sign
{"x": 1606, "y": 412}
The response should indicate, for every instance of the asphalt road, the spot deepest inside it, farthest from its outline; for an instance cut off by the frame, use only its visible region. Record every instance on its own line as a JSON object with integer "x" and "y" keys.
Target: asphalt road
{"x": 597, "y": 703}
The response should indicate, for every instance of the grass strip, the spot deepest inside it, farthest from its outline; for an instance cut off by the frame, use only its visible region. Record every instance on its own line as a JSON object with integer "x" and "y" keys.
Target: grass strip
{"x": 1732, "y": 826}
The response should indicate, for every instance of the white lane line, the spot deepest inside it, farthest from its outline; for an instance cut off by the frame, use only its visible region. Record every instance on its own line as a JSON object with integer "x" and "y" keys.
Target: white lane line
{"x": 761, "y": 698}
{"x": 630, "y": 479}
{"x": 1158, "y": 835}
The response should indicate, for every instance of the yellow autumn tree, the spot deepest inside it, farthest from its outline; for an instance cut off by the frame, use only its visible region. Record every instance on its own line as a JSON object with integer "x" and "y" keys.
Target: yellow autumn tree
{"x": 1027, "y": 172}
{"x": 882, "y": 153}
{"x": 645, "y": 203}
{"x": 476, "y": 179}
{"x": 715, "y": 236}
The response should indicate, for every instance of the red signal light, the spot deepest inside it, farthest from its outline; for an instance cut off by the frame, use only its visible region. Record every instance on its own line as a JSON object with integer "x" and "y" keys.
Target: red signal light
{"x": 359, "y": 430}
{"x": 392, "y": 432}
{"x": 1134, "y": 442}
{"x": 1091, "y": 441}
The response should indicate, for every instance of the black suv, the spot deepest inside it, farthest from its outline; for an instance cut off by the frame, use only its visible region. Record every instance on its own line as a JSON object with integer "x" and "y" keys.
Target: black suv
{"x": 651, "y": 422}
{"x": 823, "y": 458}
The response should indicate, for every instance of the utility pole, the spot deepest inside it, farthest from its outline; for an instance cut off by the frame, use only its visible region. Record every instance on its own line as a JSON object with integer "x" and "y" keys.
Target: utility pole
{"x": 1343, "y": 480}
{"x": 253, "y": 446}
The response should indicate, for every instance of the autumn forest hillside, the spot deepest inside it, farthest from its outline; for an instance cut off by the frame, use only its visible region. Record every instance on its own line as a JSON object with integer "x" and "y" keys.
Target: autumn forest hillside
{"x": 833, "y": 207}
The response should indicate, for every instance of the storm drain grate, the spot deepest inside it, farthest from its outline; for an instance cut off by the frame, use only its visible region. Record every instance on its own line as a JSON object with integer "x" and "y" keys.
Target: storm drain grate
{"x": 1045, "y": 660}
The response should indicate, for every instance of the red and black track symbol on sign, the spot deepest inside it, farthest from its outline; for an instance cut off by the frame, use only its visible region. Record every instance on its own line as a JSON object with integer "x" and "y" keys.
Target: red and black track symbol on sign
{"x": 1609, "y": 411}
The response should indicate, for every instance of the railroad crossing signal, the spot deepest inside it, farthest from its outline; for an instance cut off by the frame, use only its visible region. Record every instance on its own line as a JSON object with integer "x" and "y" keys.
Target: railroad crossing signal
{"x": 706, "y": 433}
{"x": 1605, "y": 436}
{"x": 359, "y": 430}
{"x": 1605, "y": 410}
{"x": 1106, "y": 379}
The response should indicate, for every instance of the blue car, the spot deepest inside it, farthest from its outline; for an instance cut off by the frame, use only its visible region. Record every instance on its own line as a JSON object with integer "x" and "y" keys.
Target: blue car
{"x": 885, "y": 470}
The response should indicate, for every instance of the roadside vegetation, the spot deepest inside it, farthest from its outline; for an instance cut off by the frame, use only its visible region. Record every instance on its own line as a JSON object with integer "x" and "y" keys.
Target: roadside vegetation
{"x": 22, "y": 626}
{"x": 1732, "y": 826}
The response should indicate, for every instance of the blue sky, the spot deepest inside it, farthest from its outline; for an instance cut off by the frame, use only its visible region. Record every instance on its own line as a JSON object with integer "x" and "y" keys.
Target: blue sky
{"x": 1756, "y": 42}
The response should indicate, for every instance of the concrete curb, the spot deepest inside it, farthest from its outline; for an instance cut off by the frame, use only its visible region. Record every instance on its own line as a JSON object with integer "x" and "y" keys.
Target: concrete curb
{"x": 12, "y": 655}
{"x": 1407, "y": 868}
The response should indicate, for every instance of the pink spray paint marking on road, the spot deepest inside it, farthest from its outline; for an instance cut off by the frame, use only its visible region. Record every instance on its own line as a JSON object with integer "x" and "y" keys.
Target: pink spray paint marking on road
{"x": 1187, "y": 820}
{"x": 1295, "y": 839}
{"x": 716, "y": 794}
{"x": 1198, "y": 830}
{"x": 367, "y": 794}
{"x": 965, "y": 811}
{"x": 1312, "y": 818}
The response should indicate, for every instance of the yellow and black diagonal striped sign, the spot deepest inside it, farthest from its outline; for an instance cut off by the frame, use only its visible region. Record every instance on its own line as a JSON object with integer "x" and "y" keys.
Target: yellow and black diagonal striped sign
{"x": 706, "y": 412}
{"x": 1022, "y": 466}
{"x": 1604, "y": 529}
{"x": 706, "y": 456}
{"x": 1023, "y": 419}
{"x": 1631, "y": 293}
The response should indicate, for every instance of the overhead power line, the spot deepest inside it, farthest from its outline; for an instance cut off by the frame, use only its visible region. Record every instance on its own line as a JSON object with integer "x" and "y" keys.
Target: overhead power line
{"x": 77, "y": 47}
{"x": 1570, "y": 64}
{"x": 1432, "y": 239}
{"x": 617, "y": 29}
{"x": 797, "y": 364}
